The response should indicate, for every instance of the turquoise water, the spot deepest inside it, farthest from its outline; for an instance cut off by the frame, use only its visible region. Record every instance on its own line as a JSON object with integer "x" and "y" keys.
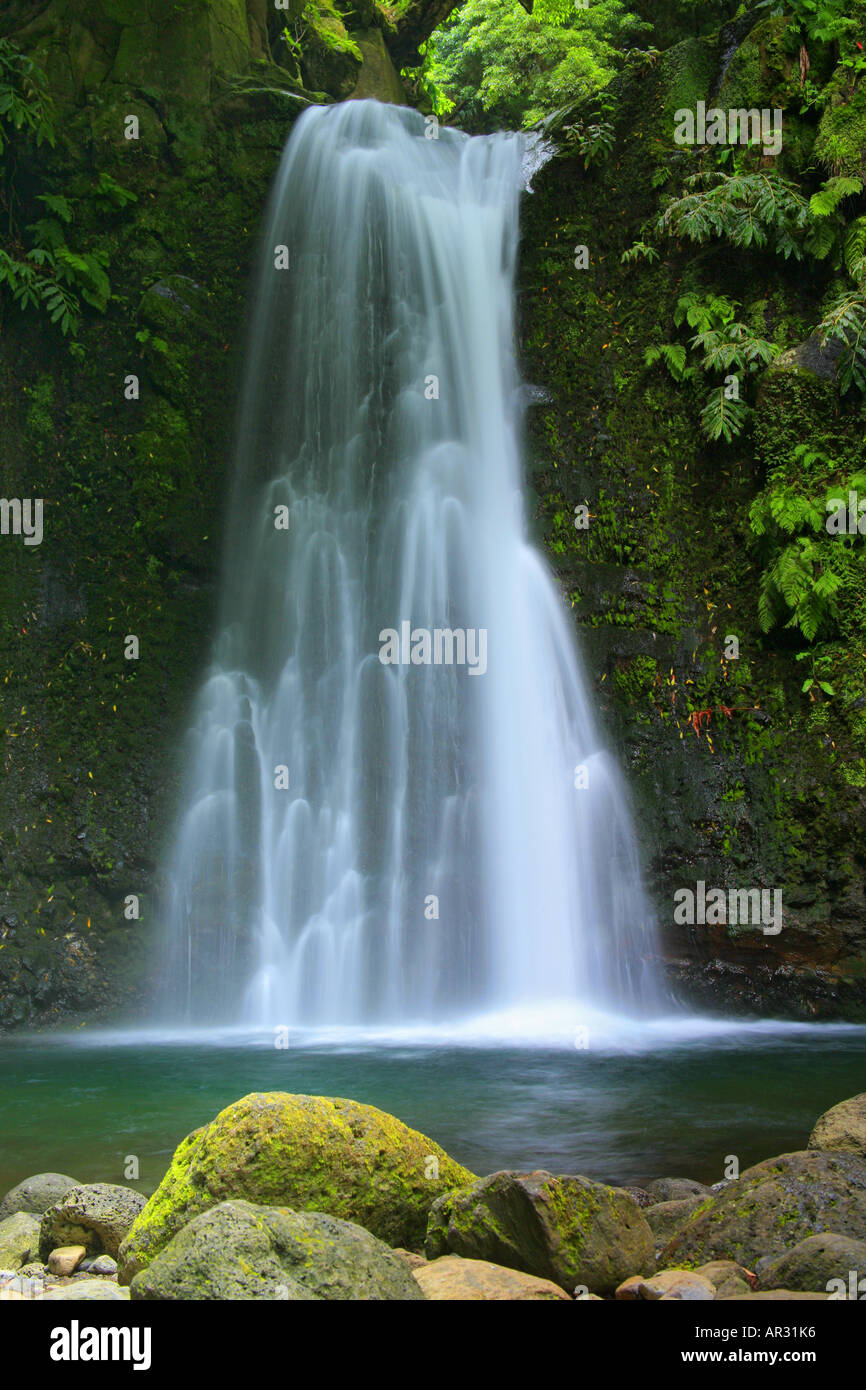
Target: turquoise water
{"x": 641, "y": 1106}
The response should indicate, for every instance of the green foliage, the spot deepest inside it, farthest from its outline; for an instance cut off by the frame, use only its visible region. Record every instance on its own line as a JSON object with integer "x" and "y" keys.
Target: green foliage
{"x": 819, "y": 21}
{"x": 760, "y": 210}
{"x": 828, "y": 198}
{"x": 725, "y": 345}
{"x": 807, "y": 571}
{"x": 494, "y": 65}
{"x": 25, "y": 106}
{"x": 592, "y": 136}
{"x": 845, "y": 323}
{"x": 49, "y": 274}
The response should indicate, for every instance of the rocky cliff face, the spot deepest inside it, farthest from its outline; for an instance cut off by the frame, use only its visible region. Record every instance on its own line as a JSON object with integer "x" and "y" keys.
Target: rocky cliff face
{"x": 133, "y": 476}
{"x": 738, "y": 779}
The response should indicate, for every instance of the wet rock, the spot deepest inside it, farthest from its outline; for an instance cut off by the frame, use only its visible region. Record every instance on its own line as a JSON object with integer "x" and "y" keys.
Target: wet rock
{"x": 97, "y": 1216}
{"x": 102, "y": 1265}
{"x": 240, "y": 1251}
{"x": 676, "y": 1189}
{"x": 566, "y": 1229}
{"x": 88, "y": 1290}
{"x": 810, "y": 1265}
{"x": 66, "y": 1259}
{"x": 727, "y": 1277}
{"x": 672, "y": 1284}
{"x": 453, "y": 1278}
{"x": 666, "y": 1218}
{"x": 19, "y": 1240}
{"x": 36, "y": 1194}
{"x": 306, "y": 1152}
{"x": 842, "y": 1128}
{"x": 775, "y": 1205}
{"x": 781, "y": 1295}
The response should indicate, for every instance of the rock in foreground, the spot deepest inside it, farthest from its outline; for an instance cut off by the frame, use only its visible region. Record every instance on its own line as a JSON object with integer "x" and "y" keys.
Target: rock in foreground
{"x": 775, "y": 1205}
{"x": 568, "y": 1230}
{"x": 19, "y": 1240}
{"x": 97, "y": 1216}
{"x": 310, "y": 1153}
{"x": 812, "y": 1263}
{"x": 842, "y": 1128}
{"x": 36, "y": 1194}
{"x": 239, "y": 1251}
{"x": 473, "y": 1281}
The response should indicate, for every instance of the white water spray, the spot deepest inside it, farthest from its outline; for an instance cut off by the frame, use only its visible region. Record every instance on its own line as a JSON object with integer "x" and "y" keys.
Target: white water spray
{"x": 431, "y": 857}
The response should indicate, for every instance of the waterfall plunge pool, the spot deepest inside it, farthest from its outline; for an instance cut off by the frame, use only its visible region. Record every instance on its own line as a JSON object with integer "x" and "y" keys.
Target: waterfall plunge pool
{"x": 670, "y": 1097}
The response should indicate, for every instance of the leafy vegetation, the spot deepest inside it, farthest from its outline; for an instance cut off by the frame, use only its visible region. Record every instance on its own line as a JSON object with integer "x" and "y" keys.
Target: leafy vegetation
{"x": 493, "y": 65}
{"x": 38, "y": 267}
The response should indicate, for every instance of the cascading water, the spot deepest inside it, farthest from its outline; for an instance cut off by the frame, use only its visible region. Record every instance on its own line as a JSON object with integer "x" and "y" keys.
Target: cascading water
{"x": 364, "y": 839}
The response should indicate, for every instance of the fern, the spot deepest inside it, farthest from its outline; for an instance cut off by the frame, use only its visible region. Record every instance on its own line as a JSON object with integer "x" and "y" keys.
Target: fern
{"x": 855, "y": 250}
{"x": 672, "y": 354}
{"x": 844, "y": 322}
{"x": 762, "y": 210}
{"x": 722, "y": 418}
{"x": 828, "y": 198}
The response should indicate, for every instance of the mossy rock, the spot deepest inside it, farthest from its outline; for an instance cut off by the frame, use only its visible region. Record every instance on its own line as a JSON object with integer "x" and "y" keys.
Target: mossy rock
{"x": 331, "y": 59}
{"x": 96, "y": 1215}
{"x": 568, "y": 1230}
{"x": 843, "y": 1127}
{"x": 774, "y": 1206}
{"x": 811, "y": 1264}
{"x": 241, "y": 1251}
{"x": 312, "y": 1153}
{"x": 378, "y": 78}
{"x": 841, "y": 140}
{"x": 666, "y": 1218}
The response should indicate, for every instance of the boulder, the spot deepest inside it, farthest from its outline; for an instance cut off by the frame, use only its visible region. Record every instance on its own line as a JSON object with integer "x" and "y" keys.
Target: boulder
{"x": 672, "y": 1284}
{"x": 102, "y": 1264}
{"x": 311, "y": 1153}
{"x": 773, "y": 1206}
{"x": 811, "y": 1264}
{"x": 678, "y": 1284}
{"x": 240, "y": 1251}
{"x": 65, "y": 1259}
{"x": 676, "y": 1189}
{"x": 91, "y": 1290}
{"x": 36, "y": 1194}
{"x": 565, "y": 1229}
{"x": 842, "y": 1128}
{"x": 666, "y": 1218}
{"x": 727, "y": 1277}
{"x": 774, "y": 1295}
{"x": 472, "y": 1281}
{"x": 378, "y": 77}
{"x": 19, "y": 1240}
{"x": 97, "y": 1216}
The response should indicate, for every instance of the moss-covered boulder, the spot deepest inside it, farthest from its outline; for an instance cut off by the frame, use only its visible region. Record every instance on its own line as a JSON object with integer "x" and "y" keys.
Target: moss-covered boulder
{"x": 812, "y": 1263}
{"x": 666, "y": 1218}
{"x": 241, "y": 1251}
{"x": 569, "y": 1230}
{"x": 773, "y": 1206}
{"x": 312, "y": 1153}
{"x": 842, "y": 1127}
{"x": 19, "y": 1240}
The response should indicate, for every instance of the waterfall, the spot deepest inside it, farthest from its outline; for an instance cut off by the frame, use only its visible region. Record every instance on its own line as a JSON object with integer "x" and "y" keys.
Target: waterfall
{"x": 398, "y": 805}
